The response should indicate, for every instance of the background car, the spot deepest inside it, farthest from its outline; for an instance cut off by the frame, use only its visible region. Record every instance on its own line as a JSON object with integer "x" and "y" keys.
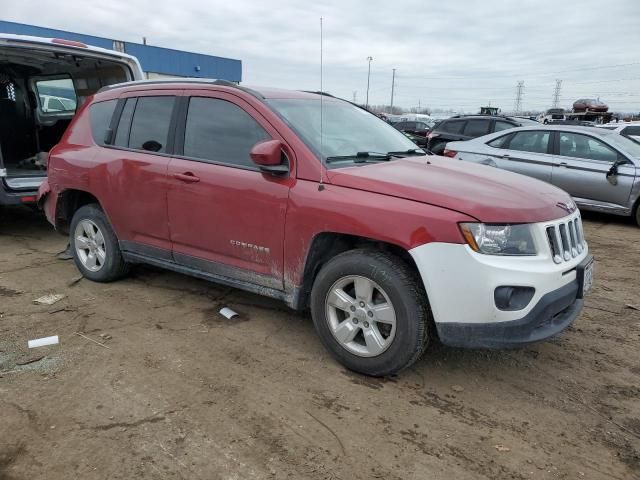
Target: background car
{"x": 417, "y": 128}
{"x": 629, "y": 130}
{"x": 466, "y": 127}
{"x": 597, "y": 167}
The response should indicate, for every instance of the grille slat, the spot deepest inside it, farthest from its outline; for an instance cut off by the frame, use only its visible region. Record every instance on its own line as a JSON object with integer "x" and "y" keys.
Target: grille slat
{"x": 566, "y": 239}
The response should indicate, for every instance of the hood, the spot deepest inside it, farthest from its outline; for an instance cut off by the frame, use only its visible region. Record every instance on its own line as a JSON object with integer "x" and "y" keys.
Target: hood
{"x": 483, "y": 192}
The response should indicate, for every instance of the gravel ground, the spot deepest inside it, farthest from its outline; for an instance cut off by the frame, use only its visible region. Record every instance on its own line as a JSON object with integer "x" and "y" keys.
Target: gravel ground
{"x": 177, "y": 391}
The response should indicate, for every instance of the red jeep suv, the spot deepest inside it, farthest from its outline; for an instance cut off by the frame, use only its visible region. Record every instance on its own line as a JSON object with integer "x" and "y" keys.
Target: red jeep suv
{"x": 312, "y": 200}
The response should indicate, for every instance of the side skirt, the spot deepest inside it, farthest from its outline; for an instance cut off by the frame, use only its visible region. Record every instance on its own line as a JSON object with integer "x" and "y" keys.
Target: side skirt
{"x": 230, "y": 282}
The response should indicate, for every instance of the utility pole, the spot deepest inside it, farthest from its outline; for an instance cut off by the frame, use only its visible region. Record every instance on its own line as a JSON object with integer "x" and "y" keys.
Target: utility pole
{"x": 369, "y": 59}
{"x": 519, "y": 94}
{"x": 393, "y": 85}
{"x": 355, "y": 96}
{"x": 556, "y": 93}
{"x": 419, "y": 106}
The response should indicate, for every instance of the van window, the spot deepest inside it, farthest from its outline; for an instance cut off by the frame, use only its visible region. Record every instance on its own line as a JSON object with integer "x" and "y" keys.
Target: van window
{"x": 100, "y": 116}
{"x": 57, "y": 95}
{"x": 221, "y": 132}
{"x": 150, "y": 126}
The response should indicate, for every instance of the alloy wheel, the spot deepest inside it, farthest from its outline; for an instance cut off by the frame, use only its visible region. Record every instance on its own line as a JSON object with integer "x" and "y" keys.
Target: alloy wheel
{"x": 360, "y": 316}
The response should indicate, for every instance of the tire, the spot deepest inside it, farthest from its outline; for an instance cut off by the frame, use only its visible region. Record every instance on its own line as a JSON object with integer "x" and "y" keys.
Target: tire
{"x": 91, "y": 235}
{"x": 637, "y": 214}
{"x": 373, "y": 345}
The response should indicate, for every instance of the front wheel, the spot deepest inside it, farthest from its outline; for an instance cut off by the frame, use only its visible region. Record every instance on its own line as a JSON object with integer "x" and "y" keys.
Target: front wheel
{"x": 370, "y": 311}
{"x": 95, "y": 246}
{"x": 637, "y": 215}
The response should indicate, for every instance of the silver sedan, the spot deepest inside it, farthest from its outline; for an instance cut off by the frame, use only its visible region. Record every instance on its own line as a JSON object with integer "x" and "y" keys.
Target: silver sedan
{"x": 598, "y": 168}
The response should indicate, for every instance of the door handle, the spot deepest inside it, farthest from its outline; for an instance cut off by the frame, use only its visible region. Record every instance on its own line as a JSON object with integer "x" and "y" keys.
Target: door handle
{"x": 186, "y": 177}
{"x": 562, "y": 164}
{"x": 506, "y": 155}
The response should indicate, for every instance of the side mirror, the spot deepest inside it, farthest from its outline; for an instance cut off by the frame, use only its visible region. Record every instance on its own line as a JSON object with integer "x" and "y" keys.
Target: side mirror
{"x": 268, "y": 156}
{"x": 612, "y": 174}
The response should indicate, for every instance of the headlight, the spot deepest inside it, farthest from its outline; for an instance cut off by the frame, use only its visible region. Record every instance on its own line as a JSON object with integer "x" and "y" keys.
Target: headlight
{"x": 499, "y": 239}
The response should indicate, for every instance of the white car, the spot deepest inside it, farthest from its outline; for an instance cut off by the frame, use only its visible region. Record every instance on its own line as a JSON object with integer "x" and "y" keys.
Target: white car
{"x": 50, "y": 103}
{"x": 628, "y": 129}
{"x": 598, "y": 168}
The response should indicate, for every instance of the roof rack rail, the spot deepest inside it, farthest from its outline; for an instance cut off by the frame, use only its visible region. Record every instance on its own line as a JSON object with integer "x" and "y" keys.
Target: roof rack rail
{"x": 200, "y": 81}
{"x": 317, "y": 92}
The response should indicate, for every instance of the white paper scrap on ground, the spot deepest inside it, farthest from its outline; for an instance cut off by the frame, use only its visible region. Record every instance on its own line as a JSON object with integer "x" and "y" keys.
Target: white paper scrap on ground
{"x": 49, "y": 299}
{"x": 228, "y": 313}
{"x": 41, "y": 342}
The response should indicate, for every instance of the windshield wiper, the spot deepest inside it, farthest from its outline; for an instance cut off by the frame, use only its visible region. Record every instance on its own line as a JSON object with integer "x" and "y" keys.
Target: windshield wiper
{"x": 412, "y": 151}
{"x": 361, "y": 157}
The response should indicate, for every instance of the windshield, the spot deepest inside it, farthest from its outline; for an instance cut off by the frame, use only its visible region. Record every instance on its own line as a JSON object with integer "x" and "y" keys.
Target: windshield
{"x": 347, "y": 129}
{"x": 630, "y": 146}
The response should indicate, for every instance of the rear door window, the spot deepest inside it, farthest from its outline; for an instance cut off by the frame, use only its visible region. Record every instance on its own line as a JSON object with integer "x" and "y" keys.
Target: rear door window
{"x": 476, "y": 128}
{"x": 100, "y": 116}
{"x": 150, "y": 125}
{"x": 452, "y": 126}
{"x": 530, "y": 141}
{"x": 221, "y": 132}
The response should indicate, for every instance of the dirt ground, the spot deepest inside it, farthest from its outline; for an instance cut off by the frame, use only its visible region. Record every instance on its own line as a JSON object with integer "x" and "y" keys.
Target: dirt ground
{"x": 180, "y": 392}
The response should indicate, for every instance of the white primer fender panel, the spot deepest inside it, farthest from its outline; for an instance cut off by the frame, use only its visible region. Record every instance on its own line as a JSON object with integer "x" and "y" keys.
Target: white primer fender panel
{"x": 460, "y": 283}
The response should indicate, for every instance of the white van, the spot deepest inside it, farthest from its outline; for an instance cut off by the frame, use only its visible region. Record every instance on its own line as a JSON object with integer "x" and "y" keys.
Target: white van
{"x": 42, "y": 83}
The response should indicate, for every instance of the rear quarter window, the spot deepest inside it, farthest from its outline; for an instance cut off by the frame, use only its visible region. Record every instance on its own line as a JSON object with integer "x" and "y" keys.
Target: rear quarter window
{"x": 100, "y": 117}
{"x": 500, "y": 142}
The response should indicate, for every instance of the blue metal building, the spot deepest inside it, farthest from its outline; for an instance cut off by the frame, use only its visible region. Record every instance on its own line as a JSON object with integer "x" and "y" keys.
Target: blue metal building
{"x": 155, "y": 61}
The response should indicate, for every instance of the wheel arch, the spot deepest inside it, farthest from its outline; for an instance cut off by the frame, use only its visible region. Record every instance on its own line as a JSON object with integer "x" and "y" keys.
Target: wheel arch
{"x": 69, "y": 201}
{"x": 326, "y": 245}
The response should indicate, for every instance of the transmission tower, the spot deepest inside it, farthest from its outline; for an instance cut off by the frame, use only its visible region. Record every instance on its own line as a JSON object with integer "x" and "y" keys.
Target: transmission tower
{"x": 556, "y": 93}
{"x": 519, "y": 94}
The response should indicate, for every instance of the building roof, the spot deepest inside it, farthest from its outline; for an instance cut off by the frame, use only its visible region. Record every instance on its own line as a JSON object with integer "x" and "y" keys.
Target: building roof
{"x": 166, "y": 61}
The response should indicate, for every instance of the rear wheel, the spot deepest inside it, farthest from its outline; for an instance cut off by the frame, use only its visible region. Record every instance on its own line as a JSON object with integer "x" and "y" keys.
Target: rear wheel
{"x": 370, "y": 311}
{"x": 95, "y": 246}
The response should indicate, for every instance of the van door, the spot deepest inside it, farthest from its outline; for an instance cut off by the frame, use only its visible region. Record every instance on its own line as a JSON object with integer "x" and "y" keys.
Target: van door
{"x": 227, "y": 218}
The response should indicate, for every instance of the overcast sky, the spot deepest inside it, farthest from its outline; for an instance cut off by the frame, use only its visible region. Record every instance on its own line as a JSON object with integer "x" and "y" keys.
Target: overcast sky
{"x": 459, "y": 54}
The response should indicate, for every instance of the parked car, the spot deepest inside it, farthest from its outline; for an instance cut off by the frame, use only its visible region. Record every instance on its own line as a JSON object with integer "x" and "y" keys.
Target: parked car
{"x": 41, "y": 82}
{"x": 628, "y": 129}
{"x": 466, "y": 127}
{"x": 417, "y": 139}
{"x": 552, "y": 115}
{"x": 417, "y": 130}
{"x": 242, "y": 187}
{"x": 598, "y": 168}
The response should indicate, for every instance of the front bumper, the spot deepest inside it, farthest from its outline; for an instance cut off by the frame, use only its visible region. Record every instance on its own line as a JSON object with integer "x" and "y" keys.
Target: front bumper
{"x": 553, "y": 313}
{"x": 461, "y": 283}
